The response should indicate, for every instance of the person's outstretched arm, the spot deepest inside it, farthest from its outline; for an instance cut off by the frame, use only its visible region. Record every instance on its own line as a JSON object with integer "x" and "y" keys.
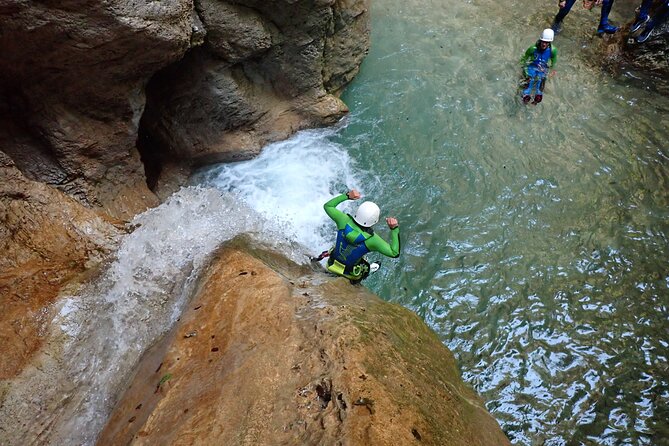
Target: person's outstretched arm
{"x": 392, "y": 249}
{"x": 335, "y": 214}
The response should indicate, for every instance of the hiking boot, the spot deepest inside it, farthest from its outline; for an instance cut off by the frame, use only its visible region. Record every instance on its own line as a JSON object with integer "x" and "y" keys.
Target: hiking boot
{"x": 556, "y": 26}
{"x": 640, "y": 21}
{"x": 526, "y": 99}
{"x": 606, "y": 28}
{"x": 537, "y": 99}
{"x": 645, "y": 35}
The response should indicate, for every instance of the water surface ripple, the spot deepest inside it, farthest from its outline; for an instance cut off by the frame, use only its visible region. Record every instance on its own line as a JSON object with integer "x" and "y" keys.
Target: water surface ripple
{"x": 535, "y": 238}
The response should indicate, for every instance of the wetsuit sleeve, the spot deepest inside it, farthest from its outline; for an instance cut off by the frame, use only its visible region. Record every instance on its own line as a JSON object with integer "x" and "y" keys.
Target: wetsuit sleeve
{"x": 335, "y": 214}
{"x": 377, "y": 244}
{"x": 553, "y": 57}
{"x": 527, "y": 57}
{"x": 529, "y": 53}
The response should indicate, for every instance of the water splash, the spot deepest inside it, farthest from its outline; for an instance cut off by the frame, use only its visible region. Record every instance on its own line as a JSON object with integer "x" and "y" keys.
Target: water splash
{"x": 289, "y": 182}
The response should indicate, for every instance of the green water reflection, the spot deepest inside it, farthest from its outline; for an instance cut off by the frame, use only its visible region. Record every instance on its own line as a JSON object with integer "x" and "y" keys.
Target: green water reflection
{"x": 535, "y": 238}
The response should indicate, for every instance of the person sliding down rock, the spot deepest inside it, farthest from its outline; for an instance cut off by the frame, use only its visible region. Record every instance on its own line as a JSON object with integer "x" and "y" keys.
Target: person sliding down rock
{"x": 355, "y": 238}
{"x": 536, "y": 61}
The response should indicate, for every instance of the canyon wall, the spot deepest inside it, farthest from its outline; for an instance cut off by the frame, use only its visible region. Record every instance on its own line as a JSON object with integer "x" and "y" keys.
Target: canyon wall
{"x": 102, "y": 104}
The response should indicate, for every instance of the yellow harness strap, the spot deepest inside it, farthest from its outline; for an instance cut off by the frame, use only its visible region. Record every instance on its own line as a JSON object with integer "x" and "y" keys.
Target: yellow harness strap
{"x": 338, "y": 268}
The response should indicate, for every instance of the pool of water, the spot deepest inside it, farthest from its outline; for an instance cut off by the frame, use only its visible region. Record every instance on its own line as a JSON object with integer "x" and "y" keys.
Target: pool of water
{"x": 535, "y": 238}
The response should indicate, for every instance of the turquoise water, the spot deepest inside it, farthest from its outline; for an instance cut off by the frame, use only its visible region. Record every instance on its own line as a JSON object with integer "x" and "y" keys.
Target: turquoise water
{"x": 535, "y": 238}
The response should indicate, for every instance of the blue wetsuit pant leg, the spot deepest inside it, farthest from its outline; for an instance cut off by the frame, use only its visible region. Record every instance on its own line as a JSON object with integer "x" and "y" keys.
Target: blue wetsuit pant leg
{"x": 536, "y": 81}
{"x": 645, "y": 8}
{"x": 606, "y": 9}
{"x": 564, "y": 11}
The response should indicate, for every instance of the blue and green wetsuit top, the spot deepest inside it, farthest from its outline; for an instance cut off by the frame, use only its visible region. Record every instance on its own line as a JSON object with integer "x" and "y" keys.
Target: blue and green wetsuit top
{"x": 354, "y": 241}
{"x": 539, "y": 61}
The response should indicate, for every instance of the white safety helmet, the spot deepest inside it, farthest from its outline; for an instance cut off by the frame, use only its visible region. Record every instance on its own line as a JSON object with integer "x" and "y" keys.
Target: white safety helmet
{"x": 367, "y": 214}
{"x": 547, "y": 35}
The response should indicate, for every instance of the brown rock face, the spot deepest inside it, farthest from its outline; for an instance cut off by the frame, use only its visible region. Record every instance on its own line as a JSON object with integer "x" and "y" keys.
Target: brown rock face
{"x": 73, "y": 80}
{"x": 73, "y": 73}
{"x": 46, "y": 239}
{"x": 282, "y": 355}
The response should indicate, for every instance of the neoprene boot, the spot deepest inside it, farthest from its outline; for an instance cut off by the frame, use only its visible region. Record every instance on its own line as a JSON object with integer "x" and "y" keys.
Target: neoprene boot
{"x": 526, "y": 99}
{"x": 641, "y": 38}
{"x": 643, "y": 17}
{"x": 556, "y": 26}
{"x": 606, "y": 28}
{"x": 537, "y": 99}
{"x": 640, "y": 21}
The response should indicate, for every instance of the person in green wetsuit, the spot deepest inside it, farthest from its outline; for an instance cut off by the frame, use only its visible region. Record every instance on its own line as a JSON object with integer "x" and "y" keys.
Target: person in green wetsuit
{"x": 536, "y": 62}
{"x": 355, "y": 238}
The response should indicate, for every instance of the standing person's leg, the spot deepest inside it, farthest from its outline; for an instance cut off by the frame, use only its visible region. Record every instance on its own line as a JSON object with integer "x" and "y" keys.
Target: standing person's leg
{"x": 529, "y": 84}
{"x": 604, "y": 25}
{"x": 643, "y": 16}
{"x": 562, "y": 13}
{"x": 539, "y": 94}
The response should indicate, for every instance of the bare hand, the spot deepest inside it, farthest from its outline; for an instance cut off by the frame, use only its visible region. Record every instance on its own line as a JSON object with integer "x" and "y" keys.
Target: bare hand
{"x": 588, "y": 4}
{"x": 392, "y": 222}
{"x": 552, "y": 73}
{"x": 562, "y": 4}
{"x": 353, "y": 194}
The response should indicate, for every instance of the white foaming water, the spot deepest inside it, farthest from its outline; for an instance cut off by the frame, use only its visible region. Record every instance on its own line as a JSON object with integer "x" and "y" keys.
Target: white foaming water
{"x": 277, "y": 198}
{"x": 288, "y": 184}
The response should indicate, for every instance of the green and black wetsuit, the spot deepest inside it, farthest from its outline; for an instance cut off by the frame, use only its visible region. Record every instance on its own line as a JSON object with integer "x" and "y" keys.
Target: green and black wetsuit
{"x": 354, "y": 241}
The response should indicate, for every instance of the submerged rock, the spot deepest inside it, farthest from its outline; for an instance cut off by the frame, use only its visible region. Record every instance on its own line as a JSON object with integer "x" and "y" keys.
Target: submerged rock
{"x": 271, "y": 353}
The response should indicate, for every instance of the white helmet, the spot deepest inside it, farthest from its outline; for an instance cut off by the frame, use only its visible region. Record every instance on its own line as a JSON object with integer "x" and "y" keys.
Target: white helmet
{"x": 547, "y": 35}
{"x": 367, "y": 214}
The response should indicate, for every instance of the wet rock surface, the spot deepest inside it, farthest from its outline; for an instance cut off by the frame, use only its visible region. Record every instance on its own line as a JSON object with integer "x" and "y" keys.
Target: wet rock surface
{"x": 47, "y": 240}
{"x": 644, "y": 62}
{"x": 264, "y": 71}
{"x": 271, "y": 353}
